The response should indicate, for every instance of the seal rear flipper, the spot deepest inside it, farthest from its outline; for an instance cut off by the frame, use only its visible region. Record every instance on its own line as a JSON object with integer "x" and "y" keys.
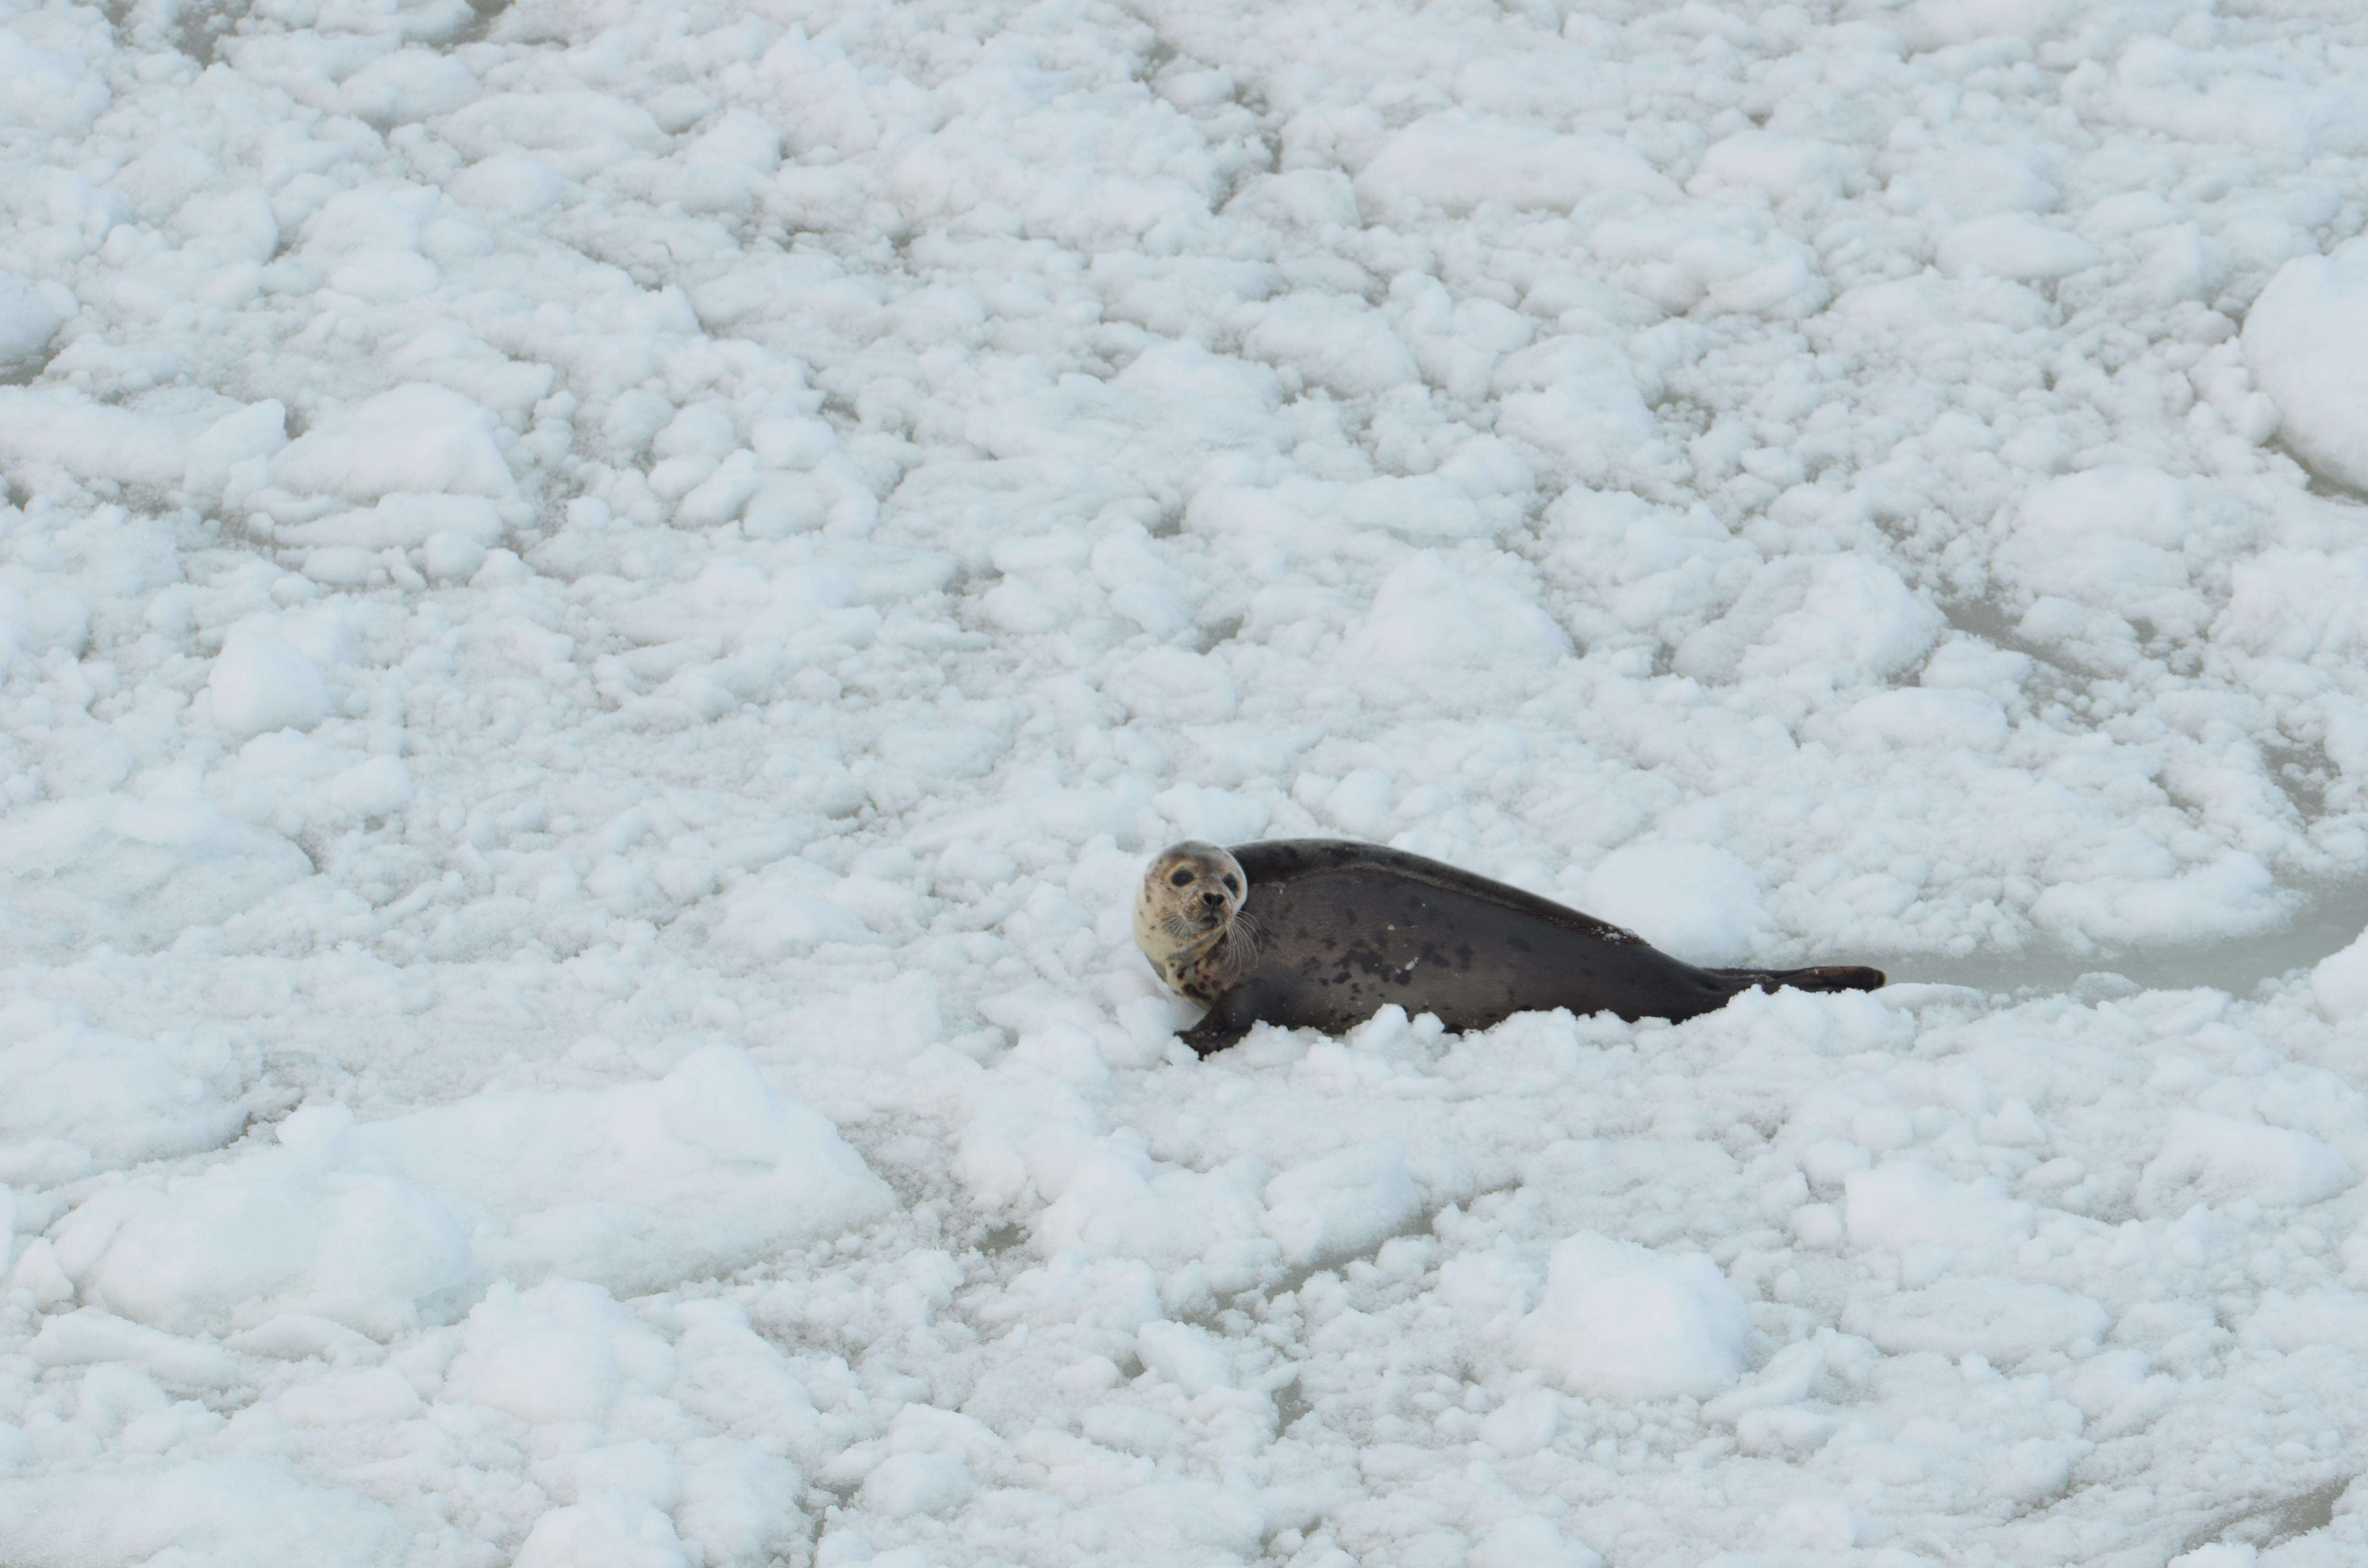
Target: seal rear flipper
{"x": 1823, "y": 977}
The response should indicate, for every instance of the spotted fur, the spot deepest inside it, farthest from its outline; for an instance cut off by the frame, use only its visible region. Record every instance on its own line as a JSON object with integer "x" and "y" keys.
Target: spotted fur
{"x": 1196, "y": 947}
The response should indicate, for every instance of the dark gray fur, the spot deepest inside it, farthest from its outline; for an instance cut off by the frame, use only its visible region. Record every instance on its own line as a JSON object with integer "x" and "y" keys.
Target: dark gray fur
{"x": 1344, "y": 929}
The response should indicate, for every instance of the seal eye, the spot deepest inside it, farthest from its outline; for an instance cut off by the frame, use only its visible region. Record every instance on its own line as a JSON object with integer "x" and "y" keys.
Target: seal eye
{"x": 1232, "y": 886}
{"x": 1183, "y": 879}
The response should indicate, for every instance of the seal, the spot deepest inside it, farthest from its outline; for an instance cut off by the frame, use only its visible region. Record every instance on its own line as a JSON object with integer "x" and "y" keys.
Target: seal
{"x": 1320, "y": 933}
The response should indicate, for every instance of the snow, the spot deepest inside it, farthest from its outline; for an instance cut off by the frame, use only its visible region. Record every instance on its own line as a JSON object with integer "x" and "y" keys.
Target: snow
{"x": 2302, "y": 343}
{"x": 1623, "y": 1322}
{"x": 600, "y": 606}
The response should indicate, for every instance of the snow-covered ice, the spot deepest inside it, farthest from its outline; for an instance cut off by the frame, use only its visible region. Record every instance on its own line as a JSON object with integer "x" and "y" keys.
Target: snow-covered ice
{"x": 600, "y": 605}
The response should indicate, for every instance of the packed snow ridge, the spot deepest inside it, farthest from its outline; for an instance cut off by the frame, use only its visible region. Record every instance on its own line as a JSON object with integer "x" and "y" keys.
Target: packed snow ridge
{"x": 601, "y": 604}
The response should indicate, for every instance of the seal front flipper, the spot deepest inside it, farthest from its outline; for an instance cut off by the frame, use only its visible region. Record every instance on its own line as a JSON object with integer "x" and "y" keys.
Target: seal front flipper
{"x": 1207, "y": 1039}
{"x": 1224, "y": 1024}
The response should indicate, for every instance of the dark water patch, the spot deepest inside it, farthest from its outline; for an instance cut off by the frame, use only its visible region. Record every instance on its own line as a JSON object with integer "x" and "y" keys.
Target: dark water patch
{"x": 2324, "y": 486}
{"x": 2304, "y": 775}
{"x": 2331, "y": 919}
{"x": 24, "y": 372}
{"x": 482, "y": 14}
{"x": 197, "y": 31}
{"x": 2272, "y": 1523}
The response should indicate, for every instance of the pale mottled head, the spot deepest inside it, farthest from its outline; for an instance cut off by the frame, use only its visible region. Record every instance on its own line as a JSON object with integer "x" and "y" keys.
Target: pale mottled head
{"x": 1192, "y": 891}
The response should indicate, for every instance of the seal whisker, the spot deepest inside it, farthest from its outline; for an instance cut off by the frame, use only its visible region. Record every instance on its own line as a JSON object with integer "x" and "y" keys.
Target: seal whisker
{"x": 1243, "y": 939}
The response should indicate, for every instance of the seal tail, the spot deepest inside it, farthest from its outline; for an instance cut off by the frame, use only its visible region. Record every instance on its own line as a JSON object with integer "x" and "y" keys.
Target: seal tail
{"x": 1825, "y": 977}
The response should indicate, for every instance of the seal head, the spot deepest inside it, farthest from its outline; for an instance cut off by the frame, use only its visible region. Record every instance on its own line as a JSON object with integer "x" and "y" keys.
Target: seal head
{"x": 1187, "y": 918}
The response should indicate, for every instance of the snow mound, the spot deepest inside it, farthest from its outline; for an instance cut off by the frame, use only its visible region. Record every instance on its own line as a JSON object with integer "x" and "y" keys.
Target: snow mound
{"x": 132, "y": 873}
{"x": 2339, "y": 982}
{"x": 205, "y": 1512}
{"x": 2005, "y": 1321}
{"x": 1341, "y": 1204}
{"x": 27, "y": 322}
{"x": 81, "y": 1100}
{"x": 2216, "y": 1159}
{"x": 1696, "y": 901}
{"x": 2306, "y": 340}
{"x": 416, "y": 438}
{"x": 259, "y": 682}
{"x": 1624, "y": 1321}
{"x": 1904, "y": 1203}
{"x": 1457, "y": 163}
{"x": 384, "y": 1226}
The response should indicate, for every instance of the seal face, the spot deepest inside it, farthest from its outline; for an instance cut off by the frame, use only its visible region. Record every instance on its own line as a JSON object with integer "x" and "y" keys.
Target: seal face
{"x": 1188, "y": 918}
{"x": 1320, "y": 933}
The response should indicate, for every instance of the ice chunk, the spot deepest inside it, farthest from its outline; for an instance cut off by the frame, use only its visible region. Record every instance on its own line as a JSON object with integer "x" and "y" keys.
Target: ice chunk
{"x": 1917, "y": 716}
{"x": 506, "y": 183}
{"x": 411, "y": 84}
{"x": 639, "y": 1184}
{"x": 1523, "y": 1423}
{"x": 53, "y": 93}
{"x": 2112, "y": 538}
{"x": 1529, "y": 1542}
{"x": 1977, "y": 181}
{"x": 269, "y": 1235}
{"x": 2004, "y": 1320}
{"x": 1192, "y": 370}
{"x": 1856, "y": 617}
{"x": 1330, "y": 339}
{"x": 2216, "y": 1159}
{"x": 63, "y": 426}
{"x": 27, "y": 322}
{"x": 81, "y": 1100}
{"x": 133, "y": 873}
{"x": 1623, "y": 1322}
{"x": 2306, "y": 340}
{"x": 1430, "y": 613}
{"x": 2329, "y": 1319}
{"x": 384, "y": 1226}
{"x": 605, "y": 1530}
{"x": 2231, "y": 893}
{"x": 258, "y": 430}
{"x": 232, "y": 226}
{"x": 918, "y": 1483}
{"x": 1696, "y": 901}
{"x": 1341, "y": 1204}
{"x": 1576, "y": 396}
{"x": 2340, "y": 982}
{"x": 260, "y": 683}
{"x": 2009, "y": 245}
{"x": 577, "y": 133}
{"x": 417, "y": 438}
{"x": 1786, "y": 167}
{"x": 1458, "y": 161}
{"x": 1903, "y": 1202}
{"x": 562, "y": 1353}
{"x": 785, "y": 909}
{"x": 404, "y": 522}
{"x": 1846, "y": 618}
{"x": 190, "y": 1510}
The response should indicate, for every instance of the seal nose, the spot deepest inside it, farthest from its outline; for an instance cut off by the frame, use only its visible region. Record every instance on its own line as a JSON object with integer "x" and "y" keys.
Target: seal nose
{"x": 1212, "y": 900}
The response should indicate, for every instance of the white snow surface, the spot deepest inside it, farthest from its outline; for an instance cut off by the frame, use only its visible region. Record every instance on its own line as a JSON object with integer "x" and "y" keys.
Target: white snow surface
{"x": 601, "y": 603}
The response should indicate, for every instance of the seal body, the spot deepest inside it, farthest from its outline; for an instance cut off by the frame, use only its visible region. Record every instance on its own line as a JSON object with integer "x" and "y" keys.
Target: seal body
{"x": 1334, "y": 930}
